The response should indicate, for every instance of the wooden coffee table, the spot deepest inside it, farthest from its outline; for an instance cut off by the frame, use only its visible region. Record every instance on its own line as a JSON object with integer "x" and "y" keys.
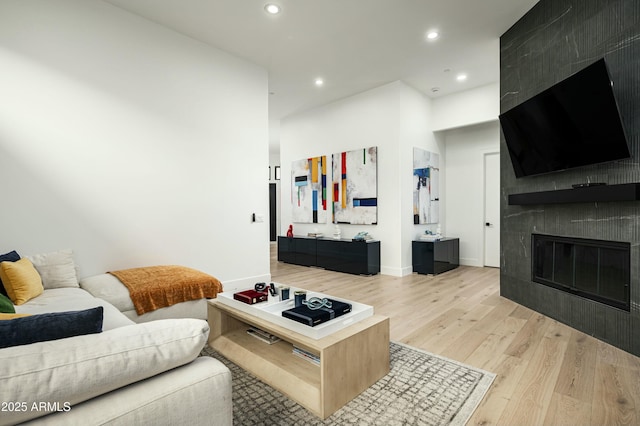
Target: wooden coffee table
{"x": 351, "y": 359}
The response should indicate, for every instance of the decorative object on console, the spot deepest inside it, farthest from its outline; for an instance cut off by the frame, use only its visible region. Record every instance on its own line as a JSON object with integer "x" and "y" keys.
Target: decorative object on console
{"x": 355, "y": 186}
{"x": 430, "y": 236}
{"x": 290, "y": 231}
{"x": 426, "y": 186}
{"x": 309, "y": 190}
{"x": 362, "y": 236}
{"x": 337, "y": 233}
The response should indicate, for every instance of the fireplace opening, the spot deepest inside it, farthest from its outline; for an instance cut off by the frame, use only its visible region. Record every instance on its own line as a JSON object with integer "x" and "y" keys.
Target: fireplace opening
{"x": 595, "y": 269}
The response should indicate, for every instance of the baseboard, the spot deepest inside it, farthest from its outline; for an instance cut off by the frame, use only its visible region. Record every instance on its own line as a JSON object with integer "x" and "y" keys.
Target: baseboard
{"x": 471, "y": 262}
{"x": 396, "y": 272}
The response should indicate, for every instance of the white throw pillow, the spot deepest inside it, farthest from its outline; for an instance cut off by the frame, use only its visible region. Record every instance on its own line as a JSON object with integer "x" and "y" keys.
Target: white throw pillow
{"x": 57, "y": 269}
{"x": 69, "y": 371}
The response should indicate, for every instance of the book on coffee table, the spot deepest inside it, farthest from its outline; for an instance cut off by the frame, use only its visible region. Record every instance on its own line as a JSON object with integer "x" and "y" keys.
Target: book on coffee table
{"x": 313, "y": 317}
{"x": 263, "y": 335}
{"x": 313, "y": 358}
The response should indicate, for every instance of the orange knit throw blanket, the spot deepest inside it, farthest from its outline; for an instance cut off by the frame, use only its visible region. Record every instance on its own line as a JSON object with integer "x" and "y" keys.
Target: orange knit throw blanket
{"x": 155, "y": 287}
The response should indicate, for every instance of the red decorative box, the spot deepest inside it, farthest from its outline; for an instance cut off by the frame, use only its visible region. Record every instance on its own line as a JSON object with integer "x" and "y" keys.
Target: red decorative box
{"x": 251, "y": 296}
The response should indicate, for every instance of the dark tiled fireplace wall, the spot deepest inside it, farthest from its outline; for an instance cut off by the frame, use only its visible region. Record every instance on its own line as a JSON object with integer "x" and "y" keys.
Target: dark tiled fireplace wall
{"x": 552, "y": 41}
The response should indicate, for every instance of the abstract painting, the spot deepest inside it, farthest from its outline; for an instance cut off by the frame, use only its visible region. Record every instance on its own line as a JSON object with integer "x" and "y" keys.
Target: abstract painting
{"x": 355, "y": 186}
{"x": 309, "y": 190}
{"x": 426, "y": 191}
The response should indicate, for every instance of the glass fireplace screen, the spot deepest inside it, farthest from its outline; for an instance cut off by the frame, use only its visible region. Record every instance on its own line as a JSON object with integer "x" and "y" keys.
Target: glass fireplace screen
{"x": 595, "y": 269}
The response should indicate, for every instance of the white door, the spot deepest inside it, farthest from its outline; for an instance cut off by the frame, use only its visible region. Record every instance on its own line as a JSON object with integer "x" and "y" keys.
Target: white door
{"x": 492, "y": 209}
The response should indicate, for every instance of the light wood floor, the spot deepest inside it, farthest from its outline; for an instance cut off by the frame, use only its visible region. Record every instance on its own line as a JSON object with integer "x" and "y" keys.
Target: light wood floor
{"x": 547, "y": 373}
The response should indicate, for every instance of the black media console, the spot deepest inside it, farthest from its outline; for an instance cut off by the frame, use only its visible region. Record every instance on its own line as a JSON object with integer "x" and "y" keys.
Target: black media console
{"x": 353, "y": 257}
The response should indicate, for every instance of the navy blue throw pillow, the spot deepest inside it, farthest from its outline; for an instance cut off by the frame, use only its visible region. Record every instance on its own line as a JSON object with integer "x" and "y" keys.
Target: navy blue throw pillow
{"x": 52, "y": 326}
{"x": 12, "y": 256}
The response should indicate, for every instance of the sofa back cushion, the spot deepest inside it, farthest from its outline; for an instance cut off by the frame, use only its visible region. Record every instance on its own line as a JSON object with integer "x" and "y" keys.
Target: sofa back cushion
{"x": 56, "y": 325}
{"x": 21, "y": 280}
{"x": 57, "y": 269}
{"x": 69, "y": 371}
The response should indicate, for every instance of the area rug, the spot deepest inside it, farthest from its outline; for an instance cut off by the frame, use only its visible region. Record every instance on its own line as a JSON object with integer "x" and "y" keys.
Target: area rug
{"x": 420, "y": 389}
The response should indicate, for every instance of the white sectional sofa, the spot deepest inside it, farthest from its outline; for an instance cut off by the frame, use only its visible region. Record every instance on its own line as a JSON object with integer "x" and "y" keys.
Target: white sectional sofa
{"x": 147, "y": 373}
{"x": 108, "y": 287}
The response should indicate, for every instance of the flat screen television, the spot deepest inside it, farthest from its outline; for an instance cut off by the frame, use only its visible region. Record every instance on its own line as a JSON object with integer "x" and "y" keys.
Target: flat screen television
{"x": 572, "y": 124}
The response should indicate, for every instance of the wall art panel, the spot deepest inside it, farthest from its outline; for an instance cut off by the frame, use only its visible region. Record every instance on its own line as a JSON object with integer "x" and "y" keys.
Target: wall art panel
{"x": 355, "y": 186}
{"x": 426, "y": 186}
{"x": 309, "y": 190}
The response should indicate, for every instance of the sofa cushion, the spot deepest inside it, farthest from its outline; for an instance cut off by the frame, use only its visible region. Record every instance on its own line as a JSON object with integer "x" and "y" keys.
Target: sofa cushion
{"x": 57, "y": 325}
{"x": 73, "y": 299}
{"x": 57, "y": 269}
{"x": 6, "y": 306}
{"x": 12, "y": 256}
{"x": 80, "y": 368}
{"x": 109, "y": 288}
{"x": 21, "y": 280}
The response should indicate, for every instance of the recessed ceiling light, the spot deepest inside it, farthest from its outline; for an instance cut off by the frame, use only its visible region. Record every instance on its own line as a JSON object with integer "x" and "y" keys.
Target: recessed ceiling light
{"x": 272, "y": 9}
{"x": 435, "y": 89}
{"x": 432, "y": 35}
{"x": 319, "y": 82}
{"x": 461, "y": 77}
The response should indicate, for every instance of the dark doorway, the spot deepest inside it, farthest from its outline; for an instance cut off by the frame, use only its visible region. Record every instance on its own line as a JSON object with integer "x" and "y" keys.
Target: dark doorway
{"x": 273, "y": 232}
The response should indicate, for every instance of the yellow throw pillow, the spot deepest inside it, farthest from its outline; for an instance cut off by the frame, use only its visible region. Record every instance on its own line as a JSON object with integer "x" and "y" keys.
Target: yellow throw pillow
{"x": 21, "y": 280}
{"x": 12, "y": 316}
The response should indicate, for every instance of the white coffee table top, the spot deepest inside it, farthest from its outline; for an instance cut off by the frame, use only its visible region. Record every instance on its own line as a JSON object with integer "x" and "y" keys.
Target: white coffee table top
{"x": 271, "y": 311}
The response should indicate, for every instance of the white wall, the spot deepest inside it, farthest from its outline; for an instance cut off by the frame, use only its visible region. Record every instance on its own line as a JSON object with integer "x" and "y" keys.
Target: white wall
{"x": 478, "y": 105}
{"x": 129, "y": 143}
{"x": 464, "y": 193}
{"x": 395, "y": 118}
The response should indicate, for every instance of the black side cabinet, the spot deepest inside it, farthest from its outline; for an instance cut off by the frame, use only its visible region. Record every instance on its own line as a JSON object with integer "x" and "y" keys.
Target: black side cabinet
{"x": 435, "y": 257}
{"x": 353, "y": 257}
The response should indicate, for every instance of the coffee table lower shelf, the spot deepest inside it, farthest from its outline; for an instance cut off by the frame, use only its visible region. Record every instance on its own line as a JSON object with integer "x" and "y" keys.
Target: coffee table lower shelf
{"x": 351, "y": 359}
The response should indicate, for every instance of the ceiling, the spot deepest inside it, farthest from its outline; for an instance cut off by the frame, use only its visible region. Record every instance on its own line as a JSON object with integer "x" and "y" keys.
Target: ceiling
{"x": 353, "y": 45}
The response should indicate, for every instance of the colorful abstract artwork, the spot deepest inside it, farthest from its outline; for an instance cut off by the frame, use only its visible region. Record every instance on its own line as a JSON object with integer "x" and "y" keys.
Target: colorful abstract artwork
{"x": 355, "y": 186}
{"x": 426, "y": 187}
{"x": 309, "y": 190}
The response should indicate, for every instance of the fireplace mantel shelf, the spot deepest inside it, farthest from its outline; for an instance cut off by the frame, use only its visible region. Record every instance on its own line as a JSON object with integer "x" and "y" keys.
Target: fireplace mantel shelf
{"x": 589, "y": 194}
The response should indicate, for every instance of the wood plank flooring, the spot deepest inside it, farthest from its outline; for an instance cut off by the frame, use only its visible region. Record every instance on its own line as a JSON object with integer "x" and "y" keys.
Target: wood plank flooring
{"x": 547, "y": 373}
